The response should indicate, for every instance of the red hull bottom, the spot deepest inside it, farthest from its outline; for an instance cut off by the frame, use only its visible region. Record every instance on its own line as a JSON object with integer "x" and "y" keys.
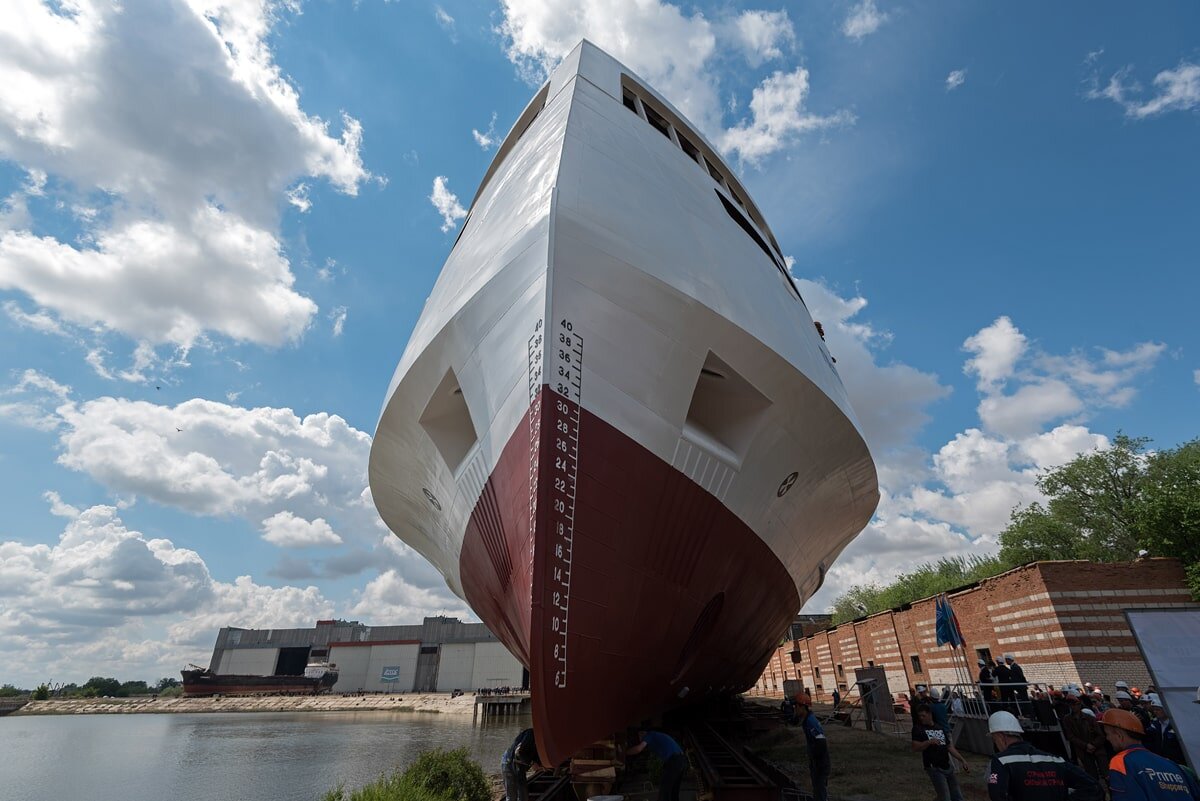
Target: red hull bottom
{"x": 668, "y": 596}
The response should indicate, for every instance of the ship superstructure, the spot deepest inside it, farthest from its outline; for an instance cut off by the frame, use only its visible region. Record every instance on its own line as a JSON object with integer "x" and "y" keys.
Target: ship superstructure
{"x": 615, "y": 429}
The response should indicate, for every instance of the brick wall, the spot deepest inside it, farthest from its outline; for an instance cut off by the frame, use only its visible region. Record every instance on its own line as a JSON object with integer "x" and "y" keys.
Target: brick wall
{"x": 1063, "y": 621}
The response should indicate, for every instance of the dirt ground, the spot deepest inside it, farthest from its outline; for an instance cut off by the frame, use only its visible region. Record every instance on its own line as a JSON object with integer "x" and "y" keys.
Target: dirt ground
{"x": 867, "y": 766}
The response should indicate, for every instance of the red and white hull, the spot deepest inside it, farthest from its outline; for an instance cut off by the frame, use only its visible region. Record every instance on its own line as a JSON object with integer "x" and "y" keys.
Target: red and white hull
{"x": 615, "y": 430}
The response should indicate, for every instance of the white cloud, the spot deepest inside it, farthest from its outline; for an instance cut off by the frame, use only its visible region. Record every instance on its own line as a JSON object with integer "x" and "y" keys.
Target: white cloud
{"x": 486, "y": 140}
{"x": 30, "y": 402}
{"x": 446, "y": 203}
{"x": 955, "y": 79}
{"x": 863, "y": 20}
{"x": 288, "y": 531}
{"x": 445, "y": 21}
{"x": 390, "y": 597}
{"x": 956, "y": 500}
{"x": 997, "y": 349}
{"x": 208, "y": 140}
{"x": 889, "y": 399}
{"x": 658, "y": 40}
{"x": 778, "y": 117}
{"x": 763, "y": 35}
{"x": 141, "y": 279}
{"x": 677, "y": 53}
{"x": 1174, "y": 90}
{"x": 338, "y": 315}
{"x": 1050, "y": 387}
{"x": 1196, "y": 377}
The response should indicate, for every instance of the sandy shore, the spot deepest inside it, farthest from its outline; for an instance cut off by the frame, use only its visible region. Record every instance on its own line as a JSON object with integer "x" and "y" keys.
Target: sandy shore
{"x": 410, "y": 702}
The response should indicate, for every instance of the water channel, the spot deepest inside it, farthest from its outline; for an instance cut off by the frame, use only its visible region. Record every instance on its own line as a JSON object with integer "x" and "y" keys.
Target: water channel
{"x": 226, "y": 756}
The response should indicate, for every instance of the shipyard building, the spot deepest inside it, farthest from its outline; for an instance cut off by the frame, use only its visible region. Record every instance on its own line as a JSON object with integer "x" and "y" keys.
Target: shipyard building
{"x": 1063, "y": 621}
{"x": 439, "y": 655}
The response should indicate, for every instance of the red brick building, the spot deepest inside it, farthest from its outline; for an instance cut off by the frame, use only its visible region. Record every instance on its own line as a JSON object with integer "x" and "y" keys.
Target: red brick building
{"x": 1063, "y": 621}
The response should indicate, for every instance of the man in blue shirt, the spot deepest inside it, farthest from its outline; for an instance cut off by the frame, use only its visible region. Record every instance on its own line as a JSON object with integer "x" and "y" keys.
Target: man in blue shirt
{"x": 515, "y": 764}
{"x": 674, "y": 762}
{"x": 819, "y": 765}
{"x": 1136, "y": 774}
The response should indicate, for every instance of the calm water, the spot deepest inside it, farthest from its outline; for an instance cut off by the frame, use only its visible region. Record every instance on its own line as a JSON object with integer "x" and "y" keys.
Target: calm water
{"x": 214, "y": 757}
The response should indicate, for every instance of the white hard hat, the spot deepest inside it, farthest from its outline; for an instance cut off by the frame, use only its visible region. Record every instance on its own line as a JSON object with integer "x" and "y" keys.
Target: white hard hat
{"x": 1010, "y": 656}
{"x": 920, "y": 688}
{"x": 1089, "y": 712}
{"x": 982, "y": 663}
{"x": 1004, "y": 722}
{"x": 1097, "y": 691}
{"x": 1122, "y": 685}
{"x": 1123, "y": 696}
{"x": 1153, "y": 699}
{"x": 935, "y": 694}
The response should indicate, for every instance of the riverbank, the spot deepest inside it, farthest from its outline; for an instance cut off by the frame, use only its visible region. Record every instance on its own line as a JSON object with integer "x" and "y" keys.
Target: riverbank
{"x": 440, "y": 703}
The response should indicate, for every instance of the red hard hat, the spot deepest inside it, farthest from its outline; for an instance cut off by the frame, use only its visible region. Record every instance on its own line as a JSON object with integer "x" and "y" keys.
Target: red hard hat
{"x": 804, "y": 698}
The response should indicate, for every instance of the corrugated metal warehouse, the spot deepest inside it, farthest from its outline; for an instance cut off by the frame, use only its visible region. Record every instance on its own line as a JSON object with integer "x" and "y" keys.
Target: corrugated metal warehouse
{"x": 1063, "y": 621}
{"x": 440, "y": 655}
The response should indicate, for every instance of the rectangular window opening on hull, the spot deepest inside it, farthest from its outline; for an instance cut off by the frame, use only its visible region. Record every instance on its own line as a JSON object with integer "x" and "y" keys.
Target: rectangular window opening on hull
{"x": 447, "y": 421}
{"x": 629, "y": 100}
{"x": 689, "y": 148}
{"x": 660, "y": 124}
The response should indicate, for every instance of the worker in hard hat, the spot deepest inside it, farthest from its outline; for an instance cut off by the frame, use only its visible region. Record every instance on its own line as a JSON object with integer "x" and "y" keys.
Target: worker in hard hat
{"x": 936, "y": 749}
{"x": 819, "y": 765}
{"x": 1125, "y": 701}
{"x": 1137, "y": 773}
{"x": 1023, "y": 773}
{"x": 1161, "y": 737}
{"x": 1085, "y": 737}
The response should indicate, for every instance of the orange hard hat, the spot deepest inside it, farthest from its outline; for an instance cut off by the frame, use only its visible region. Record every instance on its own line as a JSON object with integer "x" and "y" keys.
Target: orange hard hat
{"x": 1135, "y": 691}
{"x": 804, "y": 698}
{"x": 1122, "y": 719}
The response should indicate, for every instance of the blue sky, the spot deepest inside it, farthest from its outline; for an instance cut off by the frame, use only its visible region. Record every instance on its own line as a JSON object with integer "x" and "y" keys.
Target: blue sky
{"x": 220, "y": 220}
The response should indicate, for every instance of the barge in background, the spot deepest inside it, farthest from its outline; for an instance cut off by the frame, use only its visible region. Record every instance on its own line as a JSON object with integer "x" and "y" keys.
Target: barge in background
{"x": 616, "y": 430}
{"x": 317, "y": 678}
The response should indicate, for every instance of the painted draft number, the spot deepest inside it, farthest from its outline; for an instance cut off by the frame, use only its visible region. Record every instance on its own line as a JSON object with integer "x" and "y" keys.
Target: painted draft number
{"x": 566, "y": 356}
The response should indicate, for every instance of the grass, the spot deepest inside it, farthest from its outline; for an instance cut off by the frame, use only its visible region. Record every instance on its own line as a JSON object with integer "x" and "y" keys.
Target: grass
{"x": 436, "y": 775}
{"x": 867, "y": 766}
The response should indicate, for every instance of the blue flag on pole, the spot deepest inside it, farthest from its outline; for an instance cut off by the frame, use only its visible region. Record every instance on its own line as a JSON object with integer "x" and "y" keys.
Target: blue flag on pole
{"x": 946, "y": 624}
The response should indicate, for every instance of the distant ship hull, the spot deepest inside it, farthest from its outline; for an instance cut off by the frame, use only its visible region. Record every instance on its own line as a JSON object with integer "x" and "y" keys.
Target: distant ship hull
{"x": 200, "y": 682}
{"x": 615, "y": 430}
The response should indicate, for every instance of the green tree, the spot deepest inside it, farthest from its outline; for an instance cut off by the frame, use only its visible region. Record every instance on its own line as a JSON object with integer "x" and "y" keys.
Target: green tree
{"x": 41, "y": 693}
{"x": 9, "y": 691}
{"x": 100, "y": 686}
{"x": 923, "y": 581}
{"x": 1112, "y": 505}
{"x": 166, "y": 682}
{"x": 1167, "y": 513}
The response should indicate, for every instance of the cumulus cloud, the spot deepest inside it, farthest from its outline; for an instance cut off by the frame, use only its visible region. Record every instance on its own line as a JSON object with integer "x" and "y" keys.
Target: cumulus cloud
{"x": 955, "y": 500}
{"x": 1049, "y": 387}
{"x": 446, "y": 203}
{"x": 390, "y": 597}
{"x": 778, "y": 116}
{"x": 955, "y": 79}
{"x": 175, "y": 114}
{"x": 763, "y": 35}
{"x": 863, "y": 20}
{"x": 165, "y": 282}
{"x": 996, "y": 349}
{"x": 677, "y": 53}
{"x": 1173, "y": 90}
{"x": 288, "y": 531}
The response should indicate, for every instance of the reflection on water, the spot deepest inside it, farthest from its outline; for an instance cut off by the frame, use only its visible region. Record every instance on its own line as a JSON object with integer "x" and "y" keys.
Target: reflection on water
{"x": 213, "y": 757}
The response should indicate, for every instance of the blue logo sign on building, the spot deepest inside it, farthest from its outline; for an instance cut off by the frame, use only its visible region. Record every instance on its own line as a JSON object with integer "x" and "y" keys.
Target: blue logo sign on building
{"x": 390, "y": 674}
